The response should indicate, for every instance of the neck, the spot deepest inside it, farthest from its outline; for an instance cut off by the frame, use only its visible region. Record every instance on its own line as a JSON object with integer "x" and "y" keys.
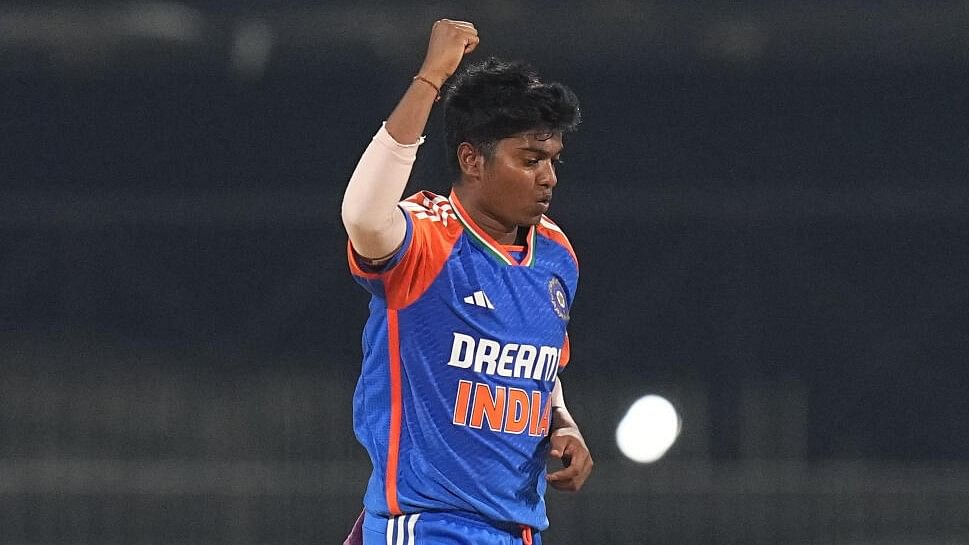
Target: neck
{"x": 489, "y": 223}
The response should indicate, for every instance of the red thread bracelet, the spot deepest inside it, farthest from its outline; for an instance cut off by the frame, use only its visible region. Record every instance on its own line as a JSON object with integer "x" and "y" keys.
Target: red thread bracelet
{"x": 437, "y": 89}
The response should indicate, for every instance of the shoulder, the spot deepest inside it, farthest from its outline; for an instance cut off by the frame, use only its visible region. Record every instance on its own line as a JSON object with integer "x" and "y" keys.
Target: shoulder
{"x": 432, "y": 231}
{"x": 550, "y": 230}
{"x": 426, "y": 207}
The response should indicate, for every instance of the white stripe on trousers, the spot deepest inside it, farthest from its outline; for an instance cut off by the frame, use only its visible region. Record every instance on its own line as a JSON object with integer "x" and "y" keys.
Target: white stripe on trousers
{"x": 399, "y": 522}
{"x": 410, "y": 528}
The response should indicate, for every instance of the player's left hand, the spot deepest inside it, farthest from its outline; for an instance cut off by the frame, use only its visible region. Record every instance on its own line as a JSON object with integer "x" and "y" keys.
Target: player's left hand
{"x": 568, "y": 446}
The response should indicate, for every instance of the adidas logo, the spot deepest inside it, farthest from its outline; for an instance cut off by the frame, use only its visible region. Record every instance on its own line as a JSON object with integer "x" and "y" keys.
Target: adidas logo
{"x": 479, "y": 299}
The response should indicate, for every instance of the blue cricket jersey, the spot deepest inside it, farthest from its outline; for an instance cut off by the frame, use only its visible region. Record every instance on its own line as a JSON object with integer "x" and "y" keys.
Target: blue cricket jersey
{"x": 461, "y": 351}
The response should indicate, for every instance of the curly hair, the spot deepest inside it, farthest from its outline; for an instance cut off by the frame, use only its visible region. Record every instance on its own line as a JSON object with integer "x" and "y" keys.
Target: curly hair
{"x": 494, "y": 99}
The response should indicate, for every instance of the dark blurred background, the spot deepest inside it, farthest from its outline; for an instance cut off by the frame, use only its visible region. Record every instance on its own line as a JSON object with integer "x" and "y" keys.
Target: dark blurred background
{"x": 768, "y": 200}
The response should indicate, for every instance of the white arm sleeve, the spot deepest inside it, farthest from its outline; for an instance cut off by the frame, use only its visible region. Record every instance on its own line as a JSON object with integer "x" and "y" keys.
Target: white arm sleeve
{"x": 374, "y": 223}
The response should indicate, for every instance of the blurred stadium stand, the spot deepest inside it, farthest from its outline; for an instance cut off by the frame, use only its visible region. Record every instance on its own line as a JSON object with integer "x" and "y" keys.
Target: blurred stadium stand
{"x": 769, "y": 200}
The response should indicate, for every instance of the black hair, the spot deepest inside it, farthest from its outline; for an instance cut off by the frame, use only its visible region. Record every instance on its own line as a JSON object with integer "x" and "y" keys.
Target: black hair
{"x": 495, "y": 99}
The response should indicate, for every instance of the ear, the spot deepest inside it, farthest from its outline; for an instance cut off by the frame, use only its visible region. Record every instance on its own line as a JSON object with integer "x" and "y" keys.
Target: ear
{"x": 470, "y": 160}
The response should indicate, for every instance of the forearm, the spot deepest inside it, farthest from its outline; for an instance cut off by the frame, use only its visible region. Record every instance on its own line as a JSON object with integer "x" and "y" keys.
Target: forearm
{"x": 561, "y": 417}
{"x": 370, "y": 202}
{"x": 407, "y": 122}
{"x": 375, "y": 226}
{"x": 568, "y": 445}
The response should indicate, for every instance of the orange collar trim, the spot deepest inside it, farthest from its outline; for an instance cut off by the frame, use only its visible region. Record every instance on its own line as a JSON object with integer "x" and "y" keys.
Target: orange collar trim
{"x": 491, "y": 246}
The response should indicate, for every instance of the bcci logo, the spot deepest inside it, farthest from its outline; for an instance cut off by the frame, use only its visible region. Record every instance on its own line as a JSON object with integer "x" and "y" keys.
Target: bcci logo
{"x": 557, "y": 295}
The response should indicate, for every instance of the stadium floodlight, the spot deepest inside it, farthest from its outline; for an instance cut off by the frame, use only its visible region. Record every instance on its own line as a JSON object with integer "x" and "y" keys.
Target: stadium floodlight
{"x": 252, "y": 45}
{"x": 648, "y": 430}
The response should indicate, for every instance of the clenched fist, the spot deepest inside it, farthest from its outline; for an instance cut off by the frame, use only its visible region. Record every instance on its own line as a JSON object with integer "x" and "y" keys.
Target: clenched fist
{"x": 450, "y": 42}
{"x": 568, "y": 446}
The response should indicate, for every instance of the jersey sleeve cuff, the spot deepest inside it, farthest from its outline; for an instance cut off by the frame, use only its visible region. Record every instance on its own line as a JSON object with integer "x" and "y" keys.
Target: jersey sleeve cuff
{"x": 403, "y": 152}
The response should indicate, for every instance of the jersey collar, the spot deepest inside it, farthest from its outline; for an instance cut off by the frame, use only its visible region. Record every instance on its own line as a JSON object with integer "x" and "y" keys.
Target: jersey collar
{"x": 489, "y": 244}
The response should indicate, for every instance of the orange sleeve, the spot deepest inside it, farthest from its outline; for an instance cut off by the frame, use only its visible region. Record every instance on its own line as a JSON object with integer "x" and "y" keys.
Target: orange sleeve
{"x": 566, "y": 352}
{"x": 429, "y": 250}
{"x": 426, "y": 248}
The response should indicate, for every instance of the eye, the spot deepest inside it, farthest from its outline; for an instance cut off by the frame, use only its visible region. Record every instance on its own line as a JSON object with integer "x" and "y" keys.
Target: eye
{"x": 558, "y": 162}
{"x": 531, "y": 162}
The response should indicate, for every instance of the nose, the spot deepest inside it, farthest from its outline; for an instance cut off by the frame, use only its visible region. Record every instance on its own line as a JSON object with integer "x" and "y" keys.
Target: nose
{"x": 547, "y": 177}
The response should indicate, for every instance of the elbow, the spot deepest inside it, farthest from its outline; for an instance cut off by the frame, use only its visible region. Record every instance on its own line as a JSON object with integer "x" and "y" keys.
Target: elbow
{"x": 356, "y": 222}
{"x": 363, "y": 224}
{"x": 350, "y": 216}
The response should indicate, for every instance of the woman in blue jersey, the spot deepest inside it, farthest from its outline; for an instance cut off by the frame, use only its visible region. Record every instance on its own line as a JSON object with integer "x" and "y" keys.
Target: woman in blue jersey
{"x": 459, "y": 402}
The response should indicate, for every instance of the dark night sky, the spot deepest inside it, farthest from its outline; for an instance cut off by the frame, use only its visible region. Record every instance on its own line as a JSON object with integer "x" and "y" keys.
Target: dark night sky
{"x": 782, "y": 221}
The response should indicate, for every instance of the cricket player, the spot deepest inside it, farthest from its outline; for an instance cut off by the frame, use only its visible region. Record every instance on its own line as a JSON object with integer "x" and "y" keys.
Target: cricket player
{"x": 459, "y": 402}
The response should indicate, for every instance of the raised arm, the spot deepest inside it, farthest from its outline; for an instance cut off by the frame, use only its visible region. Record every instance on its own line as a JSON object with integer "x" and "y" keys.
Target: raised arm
{"x": 370, "y": 215}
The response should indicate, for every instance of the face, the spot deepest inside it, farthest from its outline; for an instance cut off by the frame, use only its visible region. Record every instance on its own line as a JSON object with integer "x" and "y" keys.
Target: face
{"x": 517, "y": 181}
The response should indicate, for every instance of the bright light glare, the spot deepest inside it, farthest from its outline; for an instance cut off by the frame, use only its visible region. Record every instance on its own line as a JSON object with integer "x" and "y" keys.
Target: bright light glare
{"x": 251, "y": 48}
{"x": 648, "y": 430}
